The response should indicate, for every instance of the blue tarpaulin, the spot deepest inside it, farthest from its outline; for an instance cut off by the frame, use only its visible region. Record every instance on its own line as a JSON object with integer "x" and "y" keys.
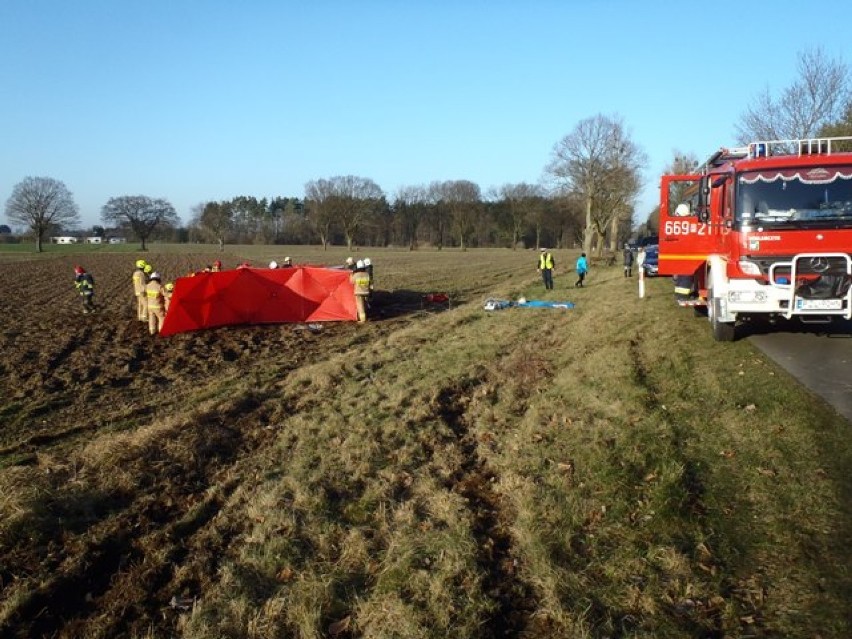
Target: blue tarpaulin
{"x": 544, "y": 304}
{"x": 499, "y": 305}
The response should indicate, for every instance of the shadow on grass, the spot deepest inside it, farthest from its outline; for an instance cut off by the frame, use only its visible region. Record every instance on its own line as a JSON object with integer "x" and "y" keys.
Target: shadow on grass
{"x": 403, "y": 302}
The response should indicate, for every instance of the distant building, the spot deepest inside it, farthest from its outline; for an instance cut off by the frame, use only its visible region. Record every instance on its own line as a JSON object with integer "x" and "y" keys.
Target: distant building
{"x": 64, "y": 239}
{"x": 94, "y": 240}
{"x": 117, "y": 240}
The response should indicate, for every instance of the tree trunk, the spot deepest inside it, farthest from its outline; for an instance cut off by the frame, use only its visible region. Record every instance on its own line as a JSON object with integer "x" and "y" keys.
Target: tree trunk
{"x": 221, "y": 243}
{"x": 590, "y": 228}
{"x": 38, "y": 242}
{"x": 613, "y": 237}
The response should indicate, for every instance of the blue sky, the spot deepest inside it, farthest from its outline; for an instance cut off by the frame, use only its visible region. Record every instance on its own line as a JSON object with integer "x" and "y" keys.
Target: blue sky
{"x": 196, "y": 101}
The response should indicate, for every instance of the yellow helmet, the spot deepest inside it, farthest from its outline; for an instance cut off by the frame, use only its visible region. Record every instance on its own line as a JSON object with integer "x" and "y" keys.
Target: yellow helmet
{"x": 140, "y": 263}
{"x": 170, "y": 286}
{"x": 148, "y": 268}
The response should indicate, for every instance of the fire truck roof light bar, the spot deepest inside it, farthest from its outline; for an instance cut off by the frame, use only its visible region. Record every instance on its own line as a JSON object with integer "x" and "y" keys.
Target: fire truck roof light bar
{"x": 767, "y": 148}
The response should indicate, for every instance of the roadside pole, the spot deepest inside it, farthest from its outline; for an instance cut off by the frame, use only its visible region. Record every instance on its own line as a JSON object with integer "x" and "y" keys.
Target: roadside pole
{"x": 640, "y": 259}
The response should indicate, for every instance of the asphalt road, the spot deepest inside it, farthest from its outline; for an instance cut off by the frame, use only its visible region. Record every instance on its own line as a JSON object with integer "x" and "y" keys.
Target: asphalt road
{"x": 819, "y": 356}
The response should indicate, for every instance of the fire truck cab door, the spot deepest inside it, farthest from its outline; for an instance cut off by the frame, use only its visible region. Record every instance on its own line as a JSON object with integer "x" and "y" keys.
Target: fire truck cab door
{"x": 686, "y": 238}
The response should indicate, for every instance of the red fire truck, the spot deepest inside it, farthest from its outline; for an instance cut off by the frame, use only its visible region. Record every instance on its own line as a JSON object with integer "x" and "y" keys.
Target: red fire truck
{"x": 762, "y": 230}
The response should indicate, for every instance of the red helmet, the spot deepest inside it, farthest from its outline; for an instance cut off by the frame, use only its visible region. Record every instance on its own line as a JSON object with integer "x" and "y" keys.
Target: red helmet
{"x": 79, "y": 270}
{"x": 217, "y": 263}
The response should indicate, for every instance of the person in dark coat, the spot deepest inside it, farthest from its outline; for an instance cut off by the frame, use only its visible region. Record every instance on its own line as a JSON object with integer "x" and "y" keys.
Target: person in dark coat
{"x": 628, "y": 261}
{"x": 85, "y": 285}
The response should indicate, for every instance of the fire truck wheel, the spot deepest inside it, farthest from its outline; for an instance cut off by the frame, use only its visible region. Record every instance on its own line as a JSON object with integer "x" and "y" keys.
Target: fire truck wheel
{"x": 722, "y": 331}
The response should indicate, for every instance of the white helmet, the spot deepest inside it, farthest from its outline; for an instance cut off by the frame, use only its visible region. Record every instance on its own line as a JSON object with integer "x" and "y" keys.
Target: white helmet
{"x": 273, "y": 264}
{"x": 359, "y": 264}
{"x": 154, "y": 276}
{"x": 522, "y": 300}
{"x": 367, "y": 261}
{"x": 287, "y": 260}
{"x": 350, "y": 261}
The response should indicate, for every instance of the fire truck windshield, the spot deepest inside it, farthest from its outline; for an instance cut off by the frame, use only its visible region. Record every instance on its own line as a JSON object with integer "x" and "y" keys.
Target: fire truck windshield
{"x": 804, "y": 197}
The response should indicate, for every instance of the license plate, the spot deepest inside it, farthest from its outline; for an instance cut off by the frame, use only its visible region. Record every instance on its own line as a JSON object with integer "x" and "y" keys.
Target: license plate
{"x": 818, "y": 305}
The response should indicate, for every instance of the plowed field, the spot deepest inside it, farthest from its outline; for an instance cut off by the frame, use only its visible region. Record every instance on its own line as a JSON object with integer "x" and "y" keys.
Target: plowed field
{"x": 103, "y": 532}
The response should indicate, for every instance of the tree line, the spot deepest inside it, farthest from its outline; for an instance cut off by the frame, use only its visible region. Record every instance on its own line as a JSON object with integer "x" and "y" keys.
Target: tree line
{"x": 352, "y": 210}
{"x": 586, "y": 196}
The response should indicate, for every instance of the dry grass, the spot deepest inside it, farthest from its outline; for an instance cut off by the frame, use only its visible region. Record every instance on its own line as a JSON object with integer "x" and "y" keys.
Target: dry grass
{"x": 625, "y": 513}
{"x": 603, "y": 471}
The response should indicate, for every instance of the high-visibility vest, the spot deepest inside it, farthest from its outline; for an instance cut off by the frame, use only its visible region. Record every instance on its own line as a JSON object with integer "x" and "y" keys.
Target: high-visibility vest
{"x": 361, "y": 280}
{"x": 85, "y": 284}
{"x": 138, "y": 282}
{"x": 154, "y": 293}
{"x": 545, "y": 261}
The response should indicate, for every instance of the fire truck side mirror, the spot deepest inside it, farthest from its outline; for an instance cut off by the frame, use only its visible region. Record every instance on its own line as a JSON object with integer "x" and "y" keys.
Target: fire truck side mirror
{"x": 703, "y": 207}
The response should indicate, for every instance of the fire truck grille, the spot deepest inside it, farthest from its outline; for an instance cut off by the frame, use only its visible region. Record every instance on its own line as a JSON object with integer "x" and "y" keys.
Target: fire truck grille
{"x": 804, "y": 266}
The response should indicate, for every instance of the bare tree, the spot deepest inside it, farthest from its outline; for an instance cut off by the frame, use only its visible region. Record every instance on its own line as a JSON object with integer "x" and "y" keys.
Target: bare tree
{"x": 140, "y": 213}
{"x": 599, "y": 161}
{"x": 356, "y": 198}
{"x": 613, "y": 208}
{"x": 523, "y": 201}
{"x": 319, "y": 210}
{"x": 40, "y": 203}
{"x": 840, "y": 128}
{"x": 463, "y": 200}
{"x": 410, "y": 205}
{"x": 215, "y": 220}
{"x": 816, "y": 98}
{"x": 439, "y": 212}
{"x": 345, "y": 200}
{"x": 562, "y": 212}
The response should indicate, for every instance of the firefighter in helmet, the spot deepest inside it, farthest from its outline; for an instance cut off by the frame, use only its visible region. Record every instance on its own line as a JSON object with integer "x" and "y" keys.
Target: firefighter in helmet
{"x": 368, "y": 266}
{"x": 139, "y": 281}
{"x": 85, "y": 285}
{"x": 217, "y": 266}
{"x": 156, "y": 303}
{"x": 168, "y": 289}
{"x": 361, "y": 281}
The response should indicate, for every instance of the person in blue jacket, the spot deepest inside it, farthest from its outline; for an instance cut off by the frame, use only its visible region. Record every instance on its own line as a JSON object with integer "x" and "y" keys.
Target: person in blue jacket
{"x": 582, "y": 269}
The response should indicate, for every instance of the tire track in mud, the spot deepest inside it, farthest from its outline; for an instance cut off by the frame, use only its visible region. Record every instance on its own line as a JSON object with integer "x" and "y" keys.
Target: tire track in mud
{"x": 514, "y": 600}
{"x": 692, "y": 504}
{"x": 641, "y": 375}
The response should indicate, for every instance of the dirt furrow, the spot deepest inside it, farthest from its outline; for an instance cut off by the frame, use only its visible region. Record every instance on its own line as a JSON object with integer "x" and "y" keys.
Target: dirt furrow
{"x": 513, "y": 599}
